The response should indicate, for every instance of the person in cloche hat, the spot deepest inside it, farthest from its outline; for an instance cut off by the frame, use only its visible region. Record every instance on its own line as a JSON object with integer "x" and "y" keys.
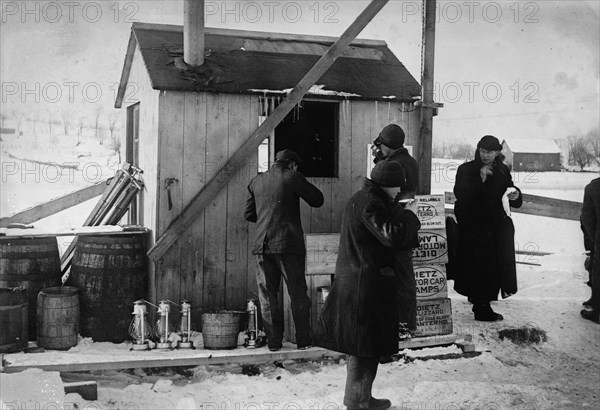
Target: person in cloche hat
{"x": 485, "y": 192}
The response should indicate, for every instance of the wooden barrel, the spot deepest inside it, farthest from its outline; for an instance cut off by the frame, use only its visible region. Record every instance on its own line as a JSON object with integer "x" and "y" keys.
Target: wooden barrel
{"x": 221, "y": 330}
{"x": 110, "y": 273}
{"x": 31, "y": 263}
{"x": 13, "y": 319}
{"x": 58, "y": 318}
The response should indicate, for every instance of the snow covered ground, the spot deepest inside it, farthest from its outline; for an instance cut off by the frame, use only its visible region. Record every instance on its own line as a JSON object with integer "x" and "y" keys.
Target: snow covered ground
{"x": 561, "y": 373}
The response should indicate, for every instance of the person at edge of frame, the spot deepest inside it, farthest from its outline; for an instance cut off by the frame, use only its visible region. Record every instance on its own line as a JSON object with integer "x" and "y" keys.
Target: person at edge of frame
{"x": 389, "y": 145}
{"x": 274, "y": 204}
{"x": 360, "y": 315}
{"x": 590, "y": 219}
{"x": 484, "y": 192}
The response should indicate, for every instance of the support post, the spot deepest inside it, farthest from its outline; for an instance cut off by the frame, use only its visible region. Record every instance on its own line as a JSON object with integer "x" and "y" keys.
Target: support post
{"x": 222, "y": 177}
{"x": 427, "y": 89}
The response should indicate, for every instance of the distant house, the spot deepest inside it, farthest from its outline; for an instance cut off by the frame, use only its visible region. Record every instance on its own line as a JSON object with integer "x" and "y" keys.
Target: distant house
{"x": 532, "y": 154}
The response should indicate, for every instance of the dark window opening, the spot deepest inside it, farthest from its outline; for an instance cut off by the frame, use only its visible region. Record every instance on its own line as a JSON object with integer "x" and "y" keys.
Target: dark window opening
{"x": 311, "y": 130}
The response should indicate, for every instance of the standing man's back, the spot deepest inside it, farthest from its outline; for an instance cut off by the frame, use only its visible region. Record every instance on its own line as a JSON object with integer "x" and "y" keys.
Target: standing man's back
{"x": 274, "y": 204}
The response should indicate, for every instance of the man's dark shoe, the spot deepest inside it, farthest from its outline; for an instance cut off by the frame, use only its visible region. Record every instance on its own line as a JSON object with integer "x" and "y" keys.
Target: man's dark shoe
{"x": 386, "y": 359}
{"x": 484, "y": 313}
{"x": 379, "y": 404}
{"x": 274, "y": 349}
{"x": 593, "y": 315}
{"x": 373, "y": 404}
{"x": 587, "y": 303}
{"x": 304, "y": 347}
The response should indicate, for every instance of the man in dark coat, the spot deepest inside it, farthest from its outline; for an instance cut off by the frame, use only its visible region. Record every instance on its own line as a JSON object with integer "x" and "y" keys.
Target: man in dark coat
{"x": 590, "y": 221}
{"x": 360, "y": 317}
{"x": 274, "y": 203}
{"x": 389, "y": 145}
{"x": 486, "y": 254}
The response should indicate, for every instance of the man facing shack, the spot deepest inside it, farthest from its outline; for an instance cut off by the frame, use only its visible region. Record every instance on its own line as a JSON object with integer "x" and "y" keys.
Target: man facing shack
{"x": 274, "y": 204}
{"x": 360, "y": 316}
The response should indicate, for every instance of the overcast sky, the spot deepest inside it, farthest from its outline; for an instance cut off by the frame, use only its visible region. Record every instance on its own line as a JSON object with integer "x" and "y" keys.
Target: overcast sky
{"x": 512, "y": 69}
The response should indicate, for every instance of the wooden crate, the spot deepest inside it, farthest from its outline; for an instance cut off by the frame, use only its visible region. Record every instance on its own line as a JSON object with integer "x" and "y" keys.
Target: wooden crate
{"x": 431, "y": 282}
{"x": 433, "y": 247}
{"x": 434, "y": 317}
{"x": 431, "y": 212}
{"x": 321, "y": 253}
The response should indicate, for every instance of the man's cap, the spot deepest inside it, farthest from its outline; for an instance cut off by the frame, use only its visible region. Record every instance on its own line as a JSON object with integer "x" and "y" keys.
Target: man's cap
{"x": 288, "y": 155}
{"x": 489, "y": 143}
{"x": 388, "y": 173}
{"x": 391, "y": 136}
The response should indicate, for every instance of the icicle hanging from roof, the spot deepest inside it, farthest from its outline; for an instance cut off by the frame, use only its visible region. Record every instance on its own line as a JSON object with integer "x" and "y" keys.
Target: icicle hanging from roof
{"x": 388, "y": 114}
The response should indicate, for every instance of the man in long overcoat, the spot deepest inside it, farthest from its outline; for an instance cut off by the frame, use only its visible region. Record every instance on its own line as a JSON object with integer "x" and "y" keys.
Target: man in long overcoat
{"x": 360, "y": 316}
{"x": 590, "y": 221}
{"x": 274, "y": 204}
{"x": 389, "y": 145}
{"x": 486, "y": 249}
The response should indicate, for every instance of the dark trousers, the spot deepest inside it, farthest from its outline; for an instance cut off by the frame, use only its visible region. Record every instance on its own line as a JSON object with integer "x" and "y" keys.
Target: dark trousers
{"x": 271, "y": 267}
{"x": 406, "y": 294}
{"x": 361, "y": 372}
{"x": 595, "y": 279}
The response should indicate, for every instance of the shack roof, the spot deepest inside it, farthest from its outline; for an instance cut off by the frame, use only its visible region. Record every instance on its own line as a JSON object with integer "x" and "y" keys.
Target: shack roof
{"x": 243, "y": 62}
{"x": 533, "y": 146}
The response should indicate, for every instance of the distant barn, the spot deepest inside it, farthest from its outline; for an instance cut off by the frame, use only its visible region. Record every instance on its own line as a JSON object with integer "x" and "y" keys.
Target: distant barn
{"x": 532, "y": 154}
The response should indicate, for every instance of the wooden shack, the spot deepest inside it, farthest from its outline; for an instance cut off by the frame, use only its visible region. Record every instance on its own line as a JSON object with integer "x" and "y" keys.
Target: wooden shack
{"x": 183, "y": 124}
{"x": 531, "y": 155}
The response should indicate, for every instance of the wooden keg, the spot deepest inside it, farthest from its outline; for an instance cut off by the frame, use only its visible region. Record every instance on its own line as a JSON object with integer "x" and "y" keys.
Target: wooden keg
{"x": 58, "y": 318}
{"x": 13, "y": 319}
{"x": 110, "y": 272}
{"x": 31, "y": 263}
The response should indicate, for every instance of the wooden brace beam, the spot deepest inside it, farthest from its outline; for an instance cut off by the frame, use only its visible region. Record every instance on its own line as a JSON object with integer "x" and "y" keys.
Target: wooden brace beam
{"x": 222, "y": 177}
{"x": 540, "y": 206}
{"x": 55, "y": 205}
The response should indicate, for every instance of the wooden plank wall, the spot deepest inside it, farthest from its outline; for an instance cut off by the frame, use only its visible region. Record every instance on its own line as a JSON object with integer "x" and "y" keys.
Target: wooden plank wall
{"x": 212, "y": 264}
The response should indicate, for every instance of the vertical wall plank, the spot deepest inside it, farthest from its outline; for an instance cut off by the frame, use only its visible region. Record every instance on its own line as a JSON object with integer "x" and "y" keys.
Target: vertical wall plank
{"x": 237, "y": 228}
{"x": 215, "y": 223}
{"x": 341, "y": 188}
{"x": 320, "y": 218}
{"x": 194, "y": 178}
{"x": 171, "y": 152}
{"x": 362, "y": 118}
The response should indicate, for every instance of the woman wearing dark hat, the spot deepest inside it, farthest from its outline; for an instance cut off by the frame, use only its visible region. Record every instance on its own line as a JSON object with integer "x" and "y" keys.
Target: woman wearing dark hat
{"x": 486, "y": 255}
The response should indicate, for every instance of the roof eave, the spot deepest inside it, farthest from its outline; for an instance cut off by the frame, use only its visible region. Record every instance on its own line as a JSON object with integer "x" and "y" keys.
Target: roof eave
{"x": 126, "y": 70}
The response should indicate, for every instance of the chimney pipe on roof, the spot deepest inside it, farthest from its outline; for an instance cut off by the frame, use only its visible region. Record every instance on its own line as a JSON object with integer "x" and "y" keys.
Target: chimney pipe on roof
{"x": 193, "y": 32}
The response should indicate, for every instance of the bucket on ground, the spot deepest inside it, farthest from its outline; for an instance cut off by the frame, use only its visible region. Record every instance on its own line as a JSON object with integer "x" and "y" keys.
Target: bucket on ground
{"x": 30, "y": 263}
{"x": 13, "y": 319}
{"x": 110, "y": 272}
{"x": 221, "y": 330}
{"x": 58, "y": 318}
